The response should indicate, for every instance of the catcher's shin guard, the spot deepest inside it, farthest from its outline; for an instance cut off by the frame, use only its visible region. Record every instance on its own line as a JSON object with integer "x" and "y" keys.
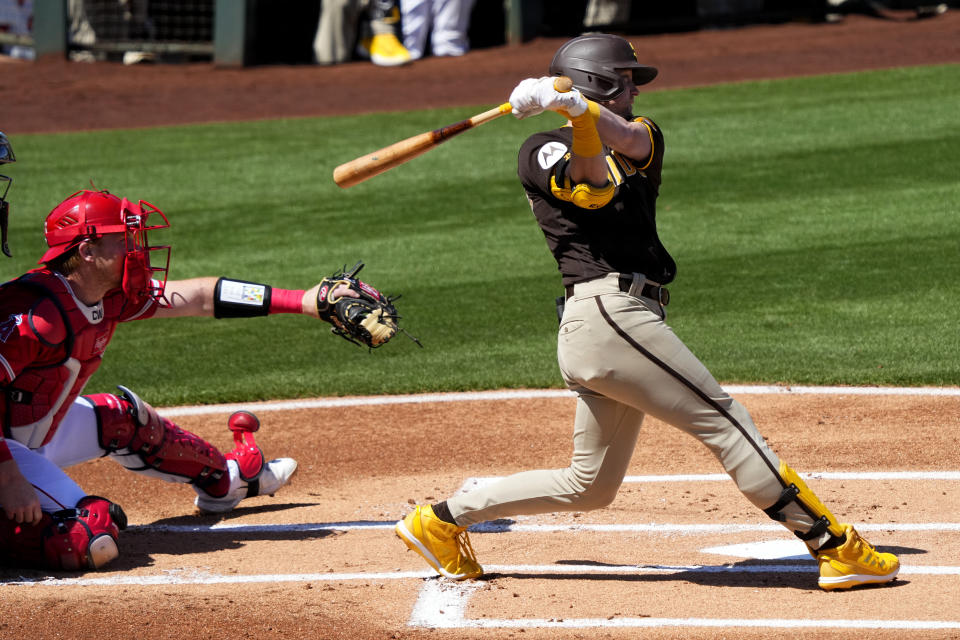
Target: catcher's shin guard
{"x": 84, "y": 537}
{"x": 797, "y": 496}
{"x": 135, "y": 435}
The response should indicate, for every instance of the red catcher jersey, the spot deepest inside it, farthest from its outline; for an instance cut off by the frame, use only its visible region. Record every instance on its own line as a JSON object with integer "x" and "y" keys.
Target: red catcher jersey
{"x": 50, "y": 345}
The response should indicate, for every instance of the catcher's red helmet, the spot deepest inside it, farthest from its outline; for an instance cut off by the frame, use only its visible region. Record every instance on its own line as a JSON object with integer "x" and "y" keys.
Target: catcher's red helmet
{"x": 91, "y": 214}
{"x": 85, "y": 214}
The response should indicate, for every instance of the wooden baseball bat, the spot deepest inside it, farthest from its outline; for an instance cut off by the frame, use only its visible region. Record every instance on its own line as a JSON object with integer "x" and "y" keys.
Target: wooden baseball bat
{"x": 372, "y": 164}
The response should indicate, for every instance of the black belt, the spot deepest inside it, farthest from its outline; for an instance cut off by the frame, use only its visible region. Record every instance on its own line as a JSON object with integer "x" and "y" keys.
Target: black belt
{"x": 649, "y": 290}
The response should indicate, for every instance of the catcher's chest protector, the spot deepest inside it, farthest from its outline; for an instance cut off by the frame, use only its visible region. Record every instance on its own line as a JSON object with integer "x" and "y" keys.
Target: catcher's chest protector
{"x": 35, "y": 402}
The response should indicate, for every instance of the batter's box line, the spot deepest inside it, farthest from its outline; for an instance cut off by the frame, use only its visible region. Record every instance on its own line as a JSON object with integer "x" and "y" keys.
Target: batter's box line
{"x": 443, "y": 604}
{"x": 428, "y": 577}
{"x": 504, "y": 526}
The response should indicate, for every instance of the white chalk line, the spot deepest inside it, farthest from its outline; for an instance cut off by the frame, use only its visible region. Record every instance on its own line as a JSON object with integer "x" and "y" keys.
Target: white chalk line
{"x": 528, "y": 394}
{"x": 442, "y": 605}
{"x": 197, "y": 577}
{"x": 504, "y": 526}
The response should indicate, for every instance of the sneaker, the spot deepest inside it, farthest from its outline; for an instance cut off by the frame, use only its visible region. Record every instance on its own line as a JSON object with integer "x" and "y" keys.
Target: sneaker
{"x": 855, "y": 562}
{"x": 274, "y": 475}
{"x": 385, "y": 50}
{"x": 446, "y": 547}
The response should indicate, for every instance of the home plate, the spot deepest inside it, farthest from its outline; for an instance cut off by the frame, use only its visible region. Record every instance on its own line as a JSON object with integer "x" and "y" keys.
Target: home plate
{"x": 766, "y": 550}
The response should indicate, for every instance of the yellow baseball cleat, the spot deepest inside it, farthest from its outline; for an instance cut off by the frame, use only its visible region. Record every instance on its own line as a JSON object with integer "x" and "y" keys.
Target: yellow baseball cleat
{"x": 855, "y": 562}
{"x": 385, "y": 50}
{"x": 445, "y": 546}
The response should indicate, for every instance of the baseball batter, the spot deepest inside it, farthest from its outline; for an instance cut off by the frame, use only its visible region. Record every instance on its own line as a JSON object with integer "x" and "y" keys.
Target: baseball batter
{"x": 55, "y": 322}
{"x": 593, "y": 187}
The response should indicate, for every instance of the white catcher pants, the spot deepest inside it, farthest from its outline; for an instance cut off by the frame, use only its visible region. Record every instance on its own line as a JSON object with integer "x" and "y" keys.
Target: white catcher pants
{"x": 75, "y": 441}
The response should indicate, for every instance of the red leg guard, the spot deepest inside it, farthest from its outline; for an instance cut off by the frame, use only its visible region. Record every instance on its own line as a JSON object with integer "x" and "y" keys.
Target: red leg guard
{"x": 143, "y": 441}
{"x": 84, "y": 537}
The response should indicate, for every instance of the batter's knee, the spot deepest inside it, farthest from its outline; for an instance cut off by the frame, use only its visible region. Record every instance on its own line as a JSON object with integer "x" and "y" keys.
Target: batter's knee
{"x": 84, "y": 537}
{"x": 595, "y": 498}
{"x": 587, "y": 492}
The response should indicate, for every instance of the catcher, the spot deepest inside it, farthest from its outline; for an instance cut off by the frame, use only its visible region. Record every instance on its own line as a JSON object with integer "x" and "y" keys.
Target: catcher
{"x": 55, "y": 322}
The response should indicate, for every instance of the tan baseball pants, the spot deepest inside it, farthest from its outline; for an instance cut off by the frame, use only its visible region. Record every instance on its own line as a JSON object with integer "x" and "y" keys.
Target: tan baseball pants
{"x": 618, "y": 354}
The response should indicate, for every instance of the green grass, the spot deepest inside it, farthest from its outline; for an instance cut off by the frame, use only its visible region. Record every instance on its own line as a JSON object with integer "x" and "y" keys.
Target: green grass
{"x": 813, "y": 220}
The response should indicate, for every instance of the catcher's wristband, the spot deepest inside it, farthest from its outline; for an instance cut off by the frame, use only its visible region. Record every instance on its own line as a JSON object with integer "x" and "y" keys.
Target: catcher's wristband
{"x": 286, "y": 301}
{"x": 242, "y": 299}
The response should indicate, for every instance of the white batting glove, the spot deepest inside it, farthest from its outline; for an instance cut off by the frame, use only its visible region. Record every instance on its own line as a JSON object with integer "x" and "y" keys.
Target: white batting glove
{"x": 533, "y": 96}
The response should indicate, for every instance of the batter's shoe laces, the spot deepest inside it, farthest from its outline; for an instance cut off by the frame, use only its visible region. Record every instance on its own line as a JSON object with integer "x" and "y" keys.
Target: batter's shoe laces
{"x": 854, "y": 563}
{"x": 385, "y": 50}
{"x": 445, "y": 546}
{"x": 250, "y": 475}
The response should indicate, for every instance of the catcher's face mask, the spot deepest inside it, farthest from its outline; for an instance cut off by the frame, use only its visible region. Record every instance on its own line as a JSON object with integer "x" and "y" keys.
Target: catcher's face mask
{"x": 6, "y": 157}
{"x": 146, "y": 267}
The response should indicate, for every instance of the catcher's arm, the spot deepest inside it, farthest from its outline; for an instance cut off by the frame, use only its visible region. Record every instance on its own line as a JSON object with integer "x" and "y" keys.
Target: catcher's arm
{"x": 357, "y": 311}
{"x": 207, "y": 296}
{"x": 18, "y": 497}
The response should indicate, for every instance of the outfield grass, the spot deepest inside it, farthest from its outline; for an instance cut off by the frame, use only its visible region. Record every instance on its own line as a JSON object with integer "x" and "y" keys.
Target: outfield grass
{"x": 813, "y": 221}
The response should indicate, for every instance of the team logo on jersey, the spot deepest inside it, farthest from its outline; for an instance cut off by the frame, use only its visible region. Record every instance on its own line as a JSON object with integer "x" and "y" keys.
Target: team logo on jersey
{"x": 550, "y": 154}
{"x": 8, "y": 325}
{"x": 101, "y": 343}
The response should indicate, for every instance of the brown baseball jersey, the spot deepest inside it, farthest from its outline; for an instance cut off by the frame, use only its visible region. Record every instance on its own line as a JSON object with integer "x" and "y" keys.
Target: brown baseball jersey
{"x": 619, "y": 237}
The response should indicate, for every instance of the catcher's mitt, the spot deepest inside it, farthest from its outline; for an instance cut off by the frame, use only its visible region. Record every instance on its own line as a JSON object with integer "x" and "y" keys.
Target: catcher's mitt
{"x": 369, "y": 319}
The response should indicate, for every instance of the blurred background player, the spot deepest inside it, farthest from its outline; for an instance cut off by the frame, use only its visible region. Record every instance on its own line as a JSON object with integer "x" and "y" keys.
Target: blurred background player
{"x": 55, "y": 322}
{"x": 441, "y": 23}
{"x": 593, "y": 187}
{"x": 6, "y": 157}
{"x": 369, "y": 28}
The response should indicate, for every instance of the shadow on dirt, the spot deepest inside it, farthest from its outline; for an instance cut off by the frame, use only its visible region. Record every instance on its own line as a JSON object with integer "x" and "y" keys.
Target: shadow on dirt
{"x": 751, "y": 575}
{"x": 199, "y": 534}
{"x": 791, "y": 573}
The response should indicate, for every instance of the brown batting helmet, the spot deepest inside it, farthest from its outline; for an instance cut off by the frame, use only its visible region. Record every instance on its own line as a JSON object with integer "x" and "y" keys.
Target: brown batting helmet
{"x": 594, "y": 62}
